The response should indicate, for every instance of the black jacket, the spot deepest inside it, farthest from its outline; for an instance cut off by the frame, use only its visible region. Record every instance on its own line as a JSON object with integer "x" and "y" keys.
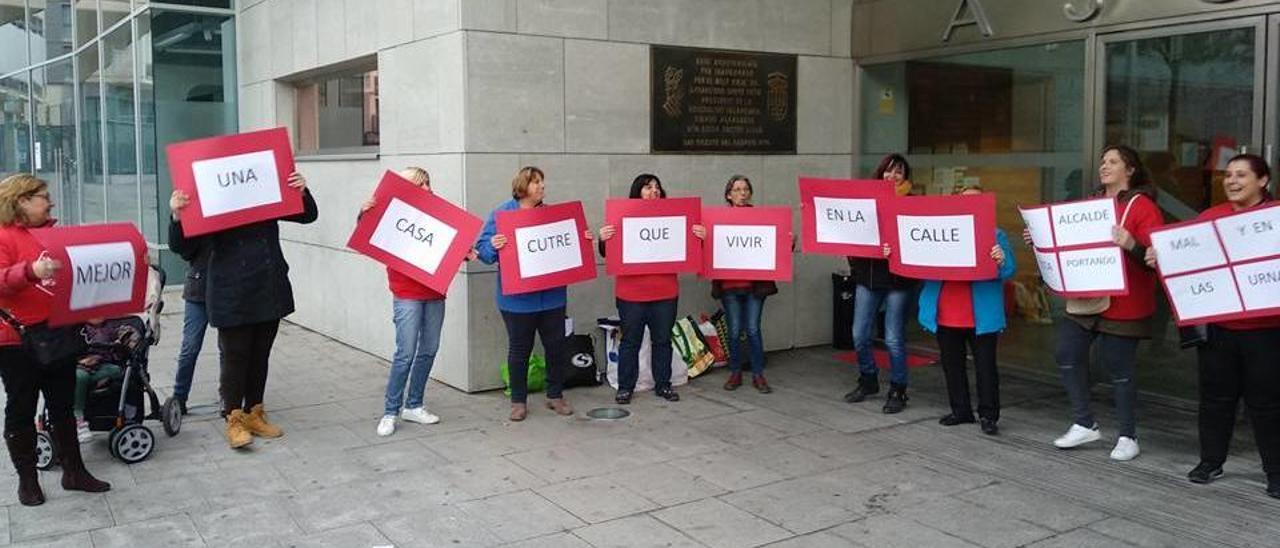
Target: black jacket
{"x": 246, "y": 279}
{"x": 197, "y": 258}
{"x": 874, "y": 274}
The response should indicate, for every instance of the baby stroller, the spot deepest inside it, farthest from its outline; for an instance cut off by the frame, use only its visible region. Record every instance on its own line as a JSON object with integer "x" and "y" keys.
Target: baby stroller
{"x": 119, "y": 405}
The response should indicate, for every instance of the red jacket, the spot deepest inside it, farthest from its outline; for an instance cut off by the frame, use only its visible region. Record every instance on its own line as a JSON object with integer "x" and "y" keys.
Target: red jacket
{"x": 1140, "y": 303}
{"x": 404, "y": 287}
{"x": 1272, "y": 322}
{"x": 19, "y": 293}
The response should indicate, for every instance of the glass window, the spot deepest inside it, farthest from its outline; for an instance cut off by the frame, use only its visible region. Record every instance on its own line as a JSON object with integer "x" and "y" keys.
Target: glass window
{"x": 119, "y": 127}
{"x": 50, "y": 30}
{"x": 15, "y": 125}
{"x": 92, "y": 164}
{"x": 13, "y": 37}
{"x": 55, "y": 135}
{"x": 338, "y": 113}
{"x": 113, "y": 11}
{"x": 86, "y": 21}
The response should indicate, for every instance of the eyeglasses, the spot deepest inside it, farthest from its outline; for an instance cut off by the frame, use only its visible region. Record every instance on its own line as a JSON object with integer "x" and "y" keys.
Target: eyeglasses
{"x": 44, "y": 195}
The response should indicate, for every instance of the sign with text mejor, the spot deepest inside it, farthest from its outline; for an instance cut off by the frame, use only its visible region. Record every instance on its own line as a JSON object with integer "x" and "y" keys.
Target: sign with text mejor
{"x": 103, "y": 274}
{"x": 653, "y": 236}
{"x": 747, "y": 243}
{"x": 841, "y": 216}
{"x": 1222, "y": 269}
{"x": 545, "y": 248}
{"x": 941, "y": 237}
{"x": 416, "y": 232}
{"x": 1074, "y": 250}
{"x": 234, "y": 180}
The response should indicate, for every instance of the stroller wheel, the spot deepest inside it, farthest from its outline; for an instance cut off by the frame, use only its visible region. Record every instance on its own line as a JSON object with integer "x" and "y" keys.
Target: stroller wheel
{"x": 44, "y": 451}
{"x": 133, "y": 443}
{"x": 171, "y": 417}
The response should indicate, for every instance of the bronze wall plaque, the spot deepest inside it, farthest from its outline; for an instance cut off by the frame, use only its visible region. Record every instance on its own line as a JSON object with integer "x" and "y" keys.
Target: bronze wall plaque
{"x": 706, "y": 101}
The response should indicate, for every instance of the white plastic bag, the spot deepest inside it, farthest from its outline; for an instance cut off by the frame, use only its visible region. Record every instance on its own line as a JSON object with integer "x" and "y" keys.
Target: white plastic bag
{"x": 644, "y": 381}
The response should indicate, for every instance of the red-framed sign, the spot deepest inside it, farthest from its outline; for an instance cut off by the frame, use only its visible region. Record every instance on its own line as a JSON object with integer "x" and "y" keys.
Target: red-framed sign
{"x": 545, "y": 248}
{"x": 842, "y": 216}
{"x": 653, "y": 236}
{"x": 1074, "y": 248}
{"x": 234, "y": 180}
{"x": 104, "y": 271}
{"x": 416, "y": 232}
{"x": 941, "y": 237}
{"x": 747, "y": 243}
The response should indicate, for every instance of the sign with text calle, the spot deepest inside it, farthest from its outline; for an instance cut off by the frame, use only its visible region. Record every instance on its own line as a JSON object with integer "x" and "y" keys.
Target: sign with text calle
{"x": 234, "y": 180}
{"x": 747, "y": 243}
{"x": 545, "y": 248}
{"x": 941, "y": 237}
{"x": 1074, "y": 249}
{"x": 415, "y": 232}
{"x": 841, "y": 217}
{"x": 653, "y": 236}
{"x": 103, "y": 274}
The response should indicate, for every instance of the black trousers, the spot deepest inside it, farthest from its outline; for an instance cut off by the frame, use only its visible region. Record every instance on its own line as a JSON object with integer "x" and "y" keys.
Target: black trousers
{"x": 955, "y": 345}
{"x": 1235, "y": 365}
{"x": 23, "y": 383}
{"x": 521, "y": 327}
{"x": 246, "y": 351}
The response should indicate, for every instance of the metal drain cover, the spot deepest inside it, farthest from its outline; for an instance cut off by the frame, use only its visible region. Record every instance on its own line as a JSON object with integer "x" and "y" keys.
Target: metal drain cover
{"x": 608, "y": 413}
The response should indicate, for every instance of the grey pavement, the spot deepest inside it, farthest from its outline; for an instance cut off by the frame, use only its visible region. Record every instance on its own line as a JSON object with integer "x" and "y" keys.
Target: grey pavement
{"x": 796, "y": 468}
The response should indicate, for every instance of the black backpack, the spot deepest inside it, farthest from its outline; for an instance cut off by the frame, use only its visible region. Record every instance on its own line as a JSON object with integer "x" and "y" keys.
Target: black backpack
{"x": 583, "y": 370}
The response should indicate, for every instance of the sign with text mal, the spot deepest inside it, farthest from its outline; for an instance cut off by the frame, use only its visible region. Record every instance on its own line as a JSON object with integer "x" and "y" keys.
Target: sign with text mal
{"x": 705, "y": 101}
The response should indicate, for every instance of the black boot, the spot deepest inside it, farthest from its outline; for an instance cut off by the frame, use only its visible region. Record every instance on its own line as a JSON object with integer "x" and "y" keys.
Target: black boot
{"x": 74, "y": 475}
{"x": 22, "y": 451}
{"x": 896, "y": 400}
{"x": 867, "y": 385}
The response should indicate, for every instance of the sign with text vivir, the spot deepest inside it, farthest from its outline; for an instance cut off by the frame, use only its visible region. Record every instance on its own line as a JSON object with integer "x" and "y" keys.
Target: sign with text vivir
{"x": 234, "y": 180}
{"x": 103, "y": 274}
{"x": 545, "y": 248}
{"x": 747, "y": 243}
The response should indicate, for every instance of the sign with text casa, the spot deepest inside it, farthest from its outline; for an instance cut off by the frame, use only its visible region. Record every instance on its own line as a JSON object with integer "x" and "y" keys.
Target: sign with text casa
{"x": 234, "y": 180}
{"x": 103, "y": 274}
{"x": 545, "y": 248}
{"x": 941, "y": 237}
{"x": 1074, "y": 249}
{"x": 653, "y": 236}
{"x": 416, "y": 232}
{"x": 841, "y": 217}
{"x": 747, "y": 243}
{"x": 1222, "y": 269}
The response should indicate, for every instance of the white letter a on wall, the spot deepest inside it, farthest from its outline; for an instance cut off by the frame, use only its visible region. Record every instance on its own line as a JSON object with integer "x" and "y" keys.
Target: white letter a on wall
{"x": 974, "y": 15}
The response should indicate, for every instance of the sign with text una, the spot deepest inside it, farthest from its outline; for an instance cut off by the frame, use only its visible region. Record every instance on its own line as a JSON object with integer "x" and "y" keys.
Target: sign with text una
{"x": 104, "y": 271}
{"x": 842, "y": 217}
{"x": 747, "y": 243}
{"x": 545, "y": 248}
{"x": 234, "y": 180}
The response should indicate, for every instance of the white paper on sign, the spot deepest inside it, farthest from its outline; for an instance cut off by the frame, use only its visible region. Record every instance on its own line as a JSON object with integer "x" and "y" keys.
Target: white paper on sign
{"x": 1187, "y": 248}
{"x": 937, "y": 240}
{"x": 1204, "y": 294}
{"x": 1037, "y": 221}
{"x": 549, "y": 248}
{"x": 1251, "y": 235}
{"x": 1259, "y": 284}
{"x": 653, "y": 239}
{"x": 745, "y": 247}
{"x": 101, "y": 274}
{"x": 846, "y": 221}
{"x": 234, "y": 183}
{"x": 1048, "y": 263}
{"x": 1087, "y": 222}
{"x": 412, "y": 235}
{"x": 1093, "y": 269}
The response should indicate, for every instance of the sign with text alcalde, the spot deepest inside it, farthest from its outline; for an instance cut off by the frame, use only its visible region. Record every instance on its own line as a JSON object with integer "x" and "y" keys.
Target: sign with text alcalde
{"x": 1074, "y": 249}
{"x": 941, "y": 237}
{"x": 653, "y": 236}
{"x": 415, "y": 232}
{"x": 103, "y": 274}
{"x": 545, "y": 248}
{"x": 841, "y": 217}
{"x": 234, "y": 180}
{"x": 1222, "y": 269}
{"x": 747, "y": 243}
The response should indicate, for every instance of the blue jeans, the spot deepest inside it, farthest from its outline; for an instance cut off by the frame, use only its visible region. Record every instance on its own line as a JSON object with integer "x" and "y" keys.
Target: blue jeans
{"x": 866, "y": 306}
{"x": 742, "y": 312}
{"x": 659, "y": 317}
{"x": 418, "y": 326}
{"x": 195, "y": 321}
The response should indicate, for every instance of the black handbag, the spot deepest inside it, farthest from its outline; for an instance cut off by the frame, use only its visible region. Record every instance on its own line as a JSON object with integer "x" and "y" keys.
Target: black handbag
{"x": 49, "y": 346}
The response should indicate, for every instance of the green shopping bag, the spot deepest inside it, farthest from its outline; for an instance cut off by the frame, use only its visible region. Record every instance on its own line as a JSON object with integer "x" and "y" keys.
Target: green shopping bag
{"x": 537, "y": 375}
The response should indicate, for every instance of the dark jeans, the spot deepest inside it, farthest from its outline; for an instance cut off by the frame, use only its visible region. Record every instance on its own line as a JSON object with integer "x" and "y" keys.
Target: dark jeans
{"x": 246, "y": 351}
{"x": 955, "y": 343}
{"x": 549, "y": 326}
{"x": 742, "y": 312}
{"x": 1236, "y": 364}
{"x": 23, "y": 383}
{"x": 195, "y": 321}
{"x": 1118, "y": 356}
{"x": 659, "y": 317}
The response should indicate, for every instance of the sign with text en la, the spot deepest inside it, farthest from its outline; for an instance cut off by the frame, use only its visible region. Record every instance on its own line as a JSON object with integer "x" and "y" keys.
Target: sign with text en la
{"x": 841, "y": 217}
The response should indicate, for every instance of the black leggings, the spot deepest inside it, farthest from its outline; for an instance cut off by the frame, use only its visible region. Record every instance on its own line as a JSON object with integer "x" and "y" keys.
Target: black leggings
{"x": 23, "y": 383}
{"x": 521, "y": 326}
{"x": 246, "y": 351}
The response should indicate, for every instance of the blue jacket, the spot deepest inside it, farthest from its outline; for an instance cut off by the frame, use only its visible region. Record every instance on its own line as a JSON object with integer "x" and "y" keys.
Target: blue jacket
{"x": 536, "y": 301}
{"x": 988, "y": 296}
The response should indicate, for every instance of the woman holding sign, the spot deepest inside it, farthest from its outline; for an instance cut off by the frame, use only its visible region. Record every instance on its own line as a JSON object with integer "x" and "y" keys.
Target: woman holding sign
{"x": 26, "y": 292}
{"x": 1118, "y": 323}
{"x": 247, "y": 292}
{"x": 1238, "y": 359}
{"x": 743, "y": 302}
{"x": 525, "y": 314}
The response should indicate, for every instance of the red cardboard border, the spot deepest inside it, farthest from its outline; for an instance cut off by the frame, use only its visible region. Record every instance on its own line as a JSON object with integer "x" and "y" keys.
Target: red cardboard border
{"x": 615, "y": 209}
{"x": 55, "y": 241}
{"x": 1231, "y": 265}
{"x": 811, "y": 187}
{"x": 182, "y": 155}
{"x": 983, "y": 209}
{"x": 777, "y": 216}
{"x": 508, "y": 221}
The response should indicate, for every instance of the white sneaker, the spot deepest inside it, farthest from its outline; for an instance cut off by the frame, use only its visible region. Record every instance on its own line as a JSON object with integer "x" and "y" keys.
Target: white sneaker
{"x": 419, "y": 415}
{"x": 83, "y": 434}
{"x": 1126, "y": 449}
{"x": 1077, "y": 436}
{"x": 387, "y": 425}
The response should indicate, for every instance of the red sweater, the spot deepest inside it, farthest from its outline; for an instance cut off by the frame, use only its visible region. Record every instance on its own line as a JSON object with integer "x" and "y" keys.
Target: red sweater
{"x": 404, "y": 287}
{"x": 646, "y": 288}
{"x": 955, "y": 305}
{"x": 18, "y": 292}
{"x": 1140, "y": 303}
{"x": 1273, "y": 322}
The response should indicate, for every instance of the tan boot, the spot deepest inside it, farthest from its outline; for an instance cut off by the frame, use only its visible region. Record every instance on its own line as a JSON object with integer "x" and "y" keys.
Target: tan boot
{"x": 256, "y": 422}
{"x": 519, "y": 411}
{"x": 560, "y": 406}
{"x": 237, "y": 435}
